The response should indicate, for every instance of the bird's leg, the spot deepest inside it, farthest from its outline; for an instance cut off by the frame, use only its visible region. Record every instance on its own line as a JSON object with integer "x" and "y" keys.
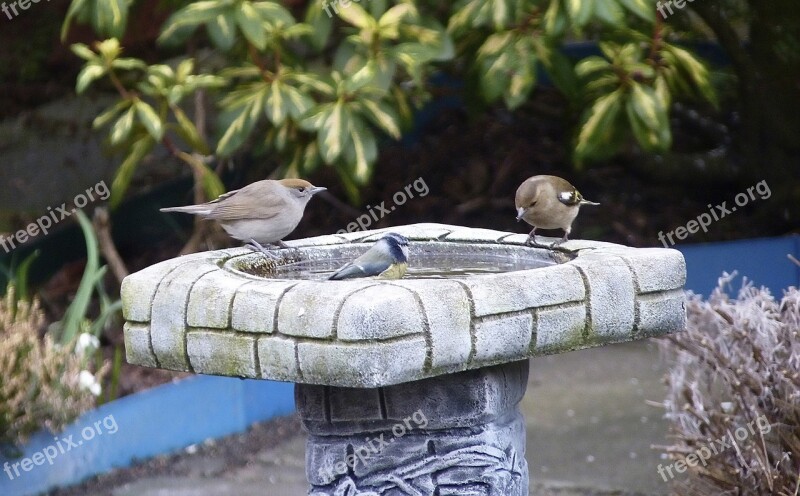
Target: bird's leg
{"x": 296, "y": 251}
{"x": 531, "y": 241}
{"x": 563, "y": 240}
{"x": 256, "y": 246}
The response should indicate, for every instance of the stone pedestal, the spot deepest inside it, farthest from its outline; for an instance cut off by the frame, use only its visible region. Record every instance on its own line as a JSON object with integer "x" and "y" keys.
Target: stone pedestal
{"x": 401, "y": 384}
{"x": 459, "y": 434}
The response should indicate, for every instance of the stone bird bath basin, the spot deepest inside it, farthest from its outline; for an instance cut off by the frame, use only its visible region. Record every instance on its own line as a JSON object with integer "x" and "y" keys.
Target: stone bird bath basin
{"x": 406, "y": 387}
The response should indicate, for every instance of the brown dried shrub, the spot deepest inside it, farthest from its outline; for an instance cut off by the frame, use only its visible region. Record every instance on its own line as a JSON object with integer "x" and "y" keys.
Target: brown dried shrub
{"x": 737, "y": 365}
{"x": 39, "y": 379}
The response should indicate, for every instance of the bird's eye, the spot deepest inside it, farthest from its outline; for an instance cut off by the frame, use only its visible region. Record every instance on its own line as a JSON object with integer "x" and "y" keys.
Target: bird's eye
{"x": 532, "y": 205}
{"x": 301, "y": 189}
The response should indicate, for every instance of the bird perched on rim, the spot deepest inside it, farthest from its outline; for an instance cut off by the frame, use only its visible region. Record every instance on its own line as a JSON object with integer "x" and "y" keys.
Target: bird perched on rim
{"x": 548, "y": 202}
{"x": 261, "y": 213}
{"x": 386, "y": 259}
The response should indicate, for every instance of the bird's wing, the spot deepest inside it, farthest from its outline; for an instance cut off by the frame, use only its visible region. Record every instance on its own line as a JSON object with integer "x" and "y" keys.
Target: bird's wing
{"x": 247, "y": 203}
{"x": 570, "y": 197}
{"x": 368, "y": 264}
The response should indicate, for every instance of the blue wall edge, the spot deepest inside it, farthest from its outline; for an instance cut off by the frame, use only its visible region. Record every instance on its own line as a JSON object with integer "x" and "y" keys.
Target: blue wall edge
{"x": 170, "y": 417}
{"x": 763, "y": 261}
{"x": 161, "y": 420}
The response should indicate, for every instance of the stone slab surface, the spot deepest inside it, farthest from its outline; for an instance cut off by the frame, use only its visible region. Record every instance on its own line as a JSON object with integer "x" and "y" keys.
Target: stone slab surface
{"x": 372, "y": 333}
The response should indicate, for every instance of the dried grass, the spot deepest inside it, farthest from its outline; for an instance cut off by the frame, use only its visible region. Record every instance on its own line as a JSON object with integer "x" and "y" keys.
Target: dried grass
{"x": 39, "y": 379}
{"x": 738, "y": 360}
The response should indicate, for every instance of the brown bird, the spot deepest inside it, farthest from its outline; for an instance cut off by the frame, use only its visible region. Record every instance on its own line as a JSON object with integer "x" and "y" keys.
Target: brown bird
{"x": 261, "y": 213}
{"x": 548, "y": 202}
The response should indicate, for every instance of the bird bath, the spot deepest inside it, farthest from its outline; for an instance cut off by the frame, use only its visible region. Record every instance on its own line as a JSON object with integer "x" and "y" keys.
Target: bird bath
{"x": 406, "y": 387}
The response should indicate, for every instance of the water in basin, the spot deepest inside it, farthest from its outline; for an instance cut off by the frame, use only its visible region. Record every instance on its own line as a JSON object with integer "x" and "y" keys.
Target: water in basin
{"x": 426, "y": 261}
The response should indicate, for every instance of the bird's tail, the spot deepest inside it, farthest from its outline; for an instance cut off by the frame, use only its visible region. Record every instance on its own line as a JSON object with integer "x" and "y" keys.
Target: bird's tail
{"x": 203, "y": 210}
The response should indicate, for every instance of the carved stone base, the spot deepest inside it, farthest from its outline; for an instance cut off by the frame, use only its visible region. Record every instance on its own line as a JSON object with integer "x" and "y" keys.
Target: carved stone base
{"x": 458, "y": 434}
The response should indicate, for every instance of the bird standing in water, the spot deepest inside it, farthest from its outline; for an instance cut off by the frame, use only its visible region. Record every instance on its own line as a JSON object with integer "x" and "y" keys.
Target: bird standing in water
{"x": 261, "y": 213}
{"x": 386, "y": 259}
{"x": 548, "y": 202}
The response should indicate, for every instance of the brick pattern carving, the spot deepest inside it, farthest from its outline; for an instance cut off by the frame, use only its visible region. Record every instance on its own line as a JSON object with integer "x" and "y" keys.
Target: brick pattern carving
{"x": 192, "y": 313}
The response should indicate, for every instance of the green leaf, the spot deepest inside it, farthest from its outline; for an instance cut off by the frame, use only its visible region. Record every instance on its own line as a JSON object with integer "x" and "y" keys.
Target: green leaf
{"x": 609, "y": 12}
{"x": 496, "y": 75}
{"x": 555, "y": 19}
{"x": 222, "y": 31}
{"x": 188, "y": 132}
{"x": 298, "y": 102}
{"x": 364, "y": 151}
{"x": 194, "y": 14}
{"x": 580, "y": 11}
{"x": 89, "y": 73}
{"x": 241, "y": 127}
{"x": 139, "y": 149}
{"x": 117, "y": 16}
{"x": 334, "y": 134}
{"x": 383, "y": 116}
{"x": 184, "y": 69}
{"x": 559, "y": 68}
{"x": 109, "y": 114}
{"x": 75, "y": 314}
{"x": 523, "y": 76}
{"x": 83, "y": 51}
{"x": 277, "y": 105}
{"x": 501, "y": 13}
{"x": 648, "y": 118}
{"x": 252, "y": 25}
{"x": 123, "y": 127}
{"x": 274, "y": 14}
{"x": 647, "y": 106}
{"x": 598, "y": 124}
{"x": 75, "y": 8}
{"x": 495, "y": 44}
{"x": 661, "y": 88}
{"x": 150, "y": 120}
{"x": 389, "y": 22}
{"x": 321, "y": 24}
{"x": 317, "y": 83}
{"x": 128, "y": 64}
{"x": 109, "y": 49}
{"x": 695, "y": 71}
{"x": 315, "y": 118}
{"x": 361, "y": 78}
{"x": 357, "y": 16}
{"x": 642, "y": 8}
{"x": 590, "y": 65}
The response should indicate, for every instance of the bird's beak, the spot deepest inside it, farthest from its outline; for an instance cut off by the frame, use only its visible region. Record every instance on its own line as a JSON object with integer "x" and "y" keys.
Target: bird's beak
{"x": 317, "y": 189}
{"x": 587, "y": 202}
{"x": 520, "y": 213}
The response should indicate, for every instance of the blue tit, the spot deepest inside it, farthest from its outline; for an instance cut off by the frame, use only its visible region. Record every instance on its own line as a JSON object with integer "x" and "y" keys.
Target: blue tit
{"x": 386, "y": 259}
{"x": 548, "y": 202}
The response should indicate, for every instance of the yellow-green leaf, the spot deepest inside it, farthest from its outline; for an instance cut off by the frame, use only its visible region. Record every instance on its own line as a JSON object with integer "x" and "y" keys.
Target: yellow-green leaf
{"x": 89, "y": 73}
{"x": 122, "y": 179}
{"x": 122, "y": 128}
{"x": 357, "y": 16}
{"x": 598, "y": 123}
{"x": 149, "y": 119}
{"x": 188, "y": 131}
{"x": 252, "y": 25}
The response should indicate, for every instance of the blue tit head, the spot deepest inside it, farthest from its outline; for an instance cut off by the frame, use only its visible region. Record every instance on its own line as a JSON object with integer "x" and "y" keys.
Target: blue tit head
{"x": 397, "y": 247}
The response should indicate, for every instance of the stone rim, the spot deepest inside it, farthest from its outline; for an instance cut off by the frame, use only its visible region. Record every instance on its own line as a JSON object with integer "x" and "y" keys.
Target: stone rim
{"x": 194, "y": 313}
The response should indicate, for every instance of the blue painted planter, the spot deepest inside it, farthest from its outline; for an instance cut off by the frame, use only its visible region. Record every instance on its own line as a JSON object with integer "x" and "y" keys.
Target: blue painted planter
{"x": 763, "y": 261}
{"x": 161, "y": 420}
